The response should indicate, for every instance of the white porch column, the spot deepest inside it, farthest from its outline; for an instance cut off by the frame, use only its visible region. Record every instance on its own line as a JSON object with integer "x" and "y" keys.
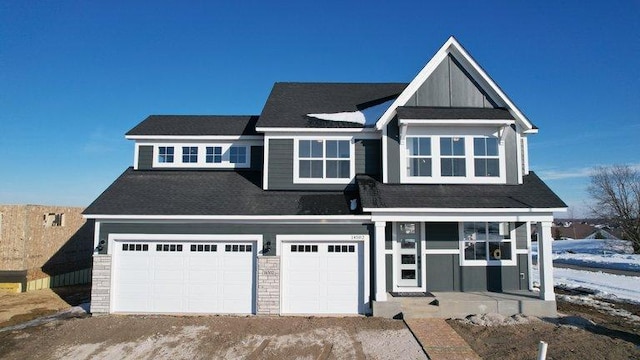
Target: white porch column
{"x": 381, "y": 277}
{"x": 545, "y": 261}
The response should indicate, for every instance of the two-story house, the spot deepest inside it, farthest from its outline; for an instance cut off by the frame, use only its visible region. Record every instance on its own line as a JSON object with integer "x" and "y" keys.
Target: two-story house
{"x": 335, "y": 196}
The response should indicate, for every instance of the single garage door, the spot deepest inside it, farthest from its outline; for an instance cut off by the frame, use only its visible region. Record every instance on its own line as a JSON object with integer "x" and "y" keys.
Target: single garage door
{"x": 322, "y": 278}
{"x": 181, "y": 277}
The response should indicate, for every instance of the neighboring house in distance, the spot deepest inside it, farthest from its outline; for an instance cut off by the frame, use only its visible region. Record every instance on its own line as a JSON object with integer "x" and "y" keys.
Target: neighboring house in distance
{"x": 44, "y": 246}
{"x": 336, "y": 195}
{"x": 579, "y": 230}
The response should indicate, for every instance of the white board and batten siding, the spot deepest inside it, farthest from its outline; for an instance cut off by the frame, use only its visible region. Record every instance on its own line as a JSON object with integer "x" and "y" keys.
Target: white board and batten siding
{"x": 324, "y": 274}
{"x": 184, "y": 273}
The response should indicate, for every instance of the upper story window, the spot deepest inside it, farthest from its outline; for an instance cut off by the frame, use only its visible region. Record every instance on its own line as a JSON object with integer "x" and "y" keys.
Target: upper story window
{"x": 165, "y": 154}
{"x": 189, "y": 154}
{"x": 419, "y": 156}
{"x": 443, "y": 156}
{"x": 487, "y": 243}
{"x": 214, "y": 154}
{"x": 238, "y": 155}
{"x": 452, "y": 156}
{"x": 220, "y": 155}
{"x": 486, "y": 159}
{"x": 323, "y": 160}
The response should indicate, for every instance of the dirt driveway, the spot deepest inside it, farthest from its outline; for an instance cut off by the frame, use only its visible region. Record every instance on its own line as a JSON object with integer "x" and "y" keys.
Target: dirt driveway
{"x": 167, "y": 337}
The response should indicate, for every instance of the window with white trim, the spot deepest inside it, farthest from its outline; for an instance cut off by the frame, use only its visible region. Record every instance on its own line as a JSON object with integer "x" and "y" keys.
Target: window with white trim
{"x": 487, "y": 243}
{"x": 485, "y": 156}
{"x": 320, "y": 159}
{"x": 214, "y": 154}
{"x": 452, "y": 156}
{"x": 238, "y": 154}
{"x": 165, "y": 154}
{"x": 189, "y": 154}
{"x": 419, "y": 156}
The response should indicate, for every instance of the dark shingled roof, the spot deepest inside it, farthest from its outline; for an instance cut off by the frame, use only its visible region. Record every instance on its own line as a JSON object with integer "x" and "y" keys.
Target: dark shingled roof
{"x": 533, "y": 193}
{"x": 451, "y": 113}
{"x": 289, "y": 103}
{"x": 196, "y": 125}
{"x": 212, "y": 192}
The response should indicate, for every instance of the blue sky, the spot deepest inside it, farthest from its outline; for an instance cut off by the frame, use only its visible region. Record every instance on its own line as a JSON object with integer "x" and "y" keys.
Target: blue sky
{"x": 76, "y": 75}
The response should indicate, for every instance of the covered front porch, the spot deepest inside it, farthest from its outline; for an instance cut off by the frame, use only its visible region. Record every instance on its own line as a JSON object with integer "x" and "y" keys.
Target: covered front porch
{"x": 416, "y": 255}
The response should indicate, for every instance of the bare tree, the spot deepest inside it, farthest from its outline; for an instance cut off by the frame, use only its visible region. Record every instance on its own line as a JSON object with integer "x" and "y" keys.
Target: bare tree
{"x": 615, "y": 191}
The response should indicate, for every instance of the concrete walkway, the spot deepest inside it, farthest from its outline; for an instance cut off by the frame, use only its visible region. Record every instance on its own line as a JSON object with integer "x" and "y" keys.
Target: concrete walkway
{"x": 439, "y": 340}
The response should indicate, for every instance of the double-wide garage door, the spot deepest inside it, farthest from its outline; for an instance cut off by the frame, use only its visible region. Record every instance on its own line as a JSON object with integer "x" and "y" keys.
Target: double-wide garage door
{"x": 184, "y": 277}
{"x": 322, "y": 278}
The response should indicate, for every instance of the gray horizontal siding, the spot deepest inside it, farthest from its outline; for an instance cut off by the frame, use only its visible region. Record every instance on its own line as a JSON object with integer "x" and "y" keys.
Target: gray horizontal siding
{"x": 145, "y": 157}
{"x": 393, "y": 152}
{"x": 367, "y": 155}
{"x": 269, "y": 231}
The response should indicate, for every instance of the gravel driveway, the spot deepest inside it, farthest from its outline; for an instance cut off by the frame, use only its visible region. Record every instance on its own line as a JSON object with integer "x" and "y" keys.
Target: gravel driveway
{"x": 169, "y": 337}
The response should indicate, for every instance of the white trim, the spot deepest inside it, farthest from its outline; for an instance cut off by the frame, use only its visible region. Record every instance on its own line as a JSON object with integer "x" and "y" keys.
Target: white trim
{"x": 422, "y": 287}
{"x": 512, "y": 239}
{"x": 385, "y": 159}
{"x": 318, "y": 218}
{"x": 461, "y": 217}
{"x": 522, "y": 251}
{"x": 529, "y": 255}
{"x": 355, "y": 136}
{"x": 442, "y": 251}
{"x": 314, "y": 130}
{"x": 451, "y": 46}
{"x": 193, "y": 137}
{"x": 96, "y": 236}
{"x": 464, "y": 210}
{"x": 136, "y": 156}
{"x": 455, "y": 122}
{"x": 380, "y": 256}
{"x": 201, "y": 156}
{"x": 265, "y": 164}
{"x": 324, "y": 180}
{"x": 184, "y": 237}
{"x": 525, "y": 155}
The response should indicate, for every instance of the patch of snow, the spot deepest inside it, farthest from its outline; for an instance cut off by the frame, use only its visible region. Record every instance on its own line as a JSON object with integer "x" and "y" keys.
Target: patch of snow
{"x": 73, "y": 312}
{"x": 366, "y": 117}
{"x": 494, "y": 319}
{"x": 607, "y": 307}
{"x": 356, "y": 117}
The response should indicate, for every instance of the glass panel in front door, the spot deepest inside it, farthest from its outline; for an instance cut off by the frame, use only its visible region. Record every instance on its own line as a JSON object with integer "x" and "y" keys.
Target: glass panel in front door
{"x": 408, "y": 255}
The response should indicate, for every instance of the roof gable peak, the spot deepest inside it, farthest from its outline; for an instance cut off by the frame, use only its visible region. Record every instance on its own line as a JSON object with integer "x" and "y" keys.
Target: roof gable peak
{"x": 454, "y": 49}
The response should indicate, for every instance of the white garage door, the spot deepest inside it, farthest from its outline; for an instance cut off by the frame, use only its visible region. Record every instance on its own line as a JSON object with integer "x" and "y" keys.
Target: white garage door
{"x": 322, "y": 278}
{"x": 180, "y": 277}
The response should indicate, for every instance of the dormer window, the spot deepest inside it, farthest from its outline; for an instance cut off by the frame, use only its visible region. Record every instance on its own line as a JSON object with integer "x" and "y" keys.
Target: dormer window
{"x": 214, "y": 154}
{"x": 189, "y": 154}
{"x": 238, "y": 155}
{"x": 486, "y": 159}
{"x": 165, "y": 154}
{"x": 452, "y": 159}
{"x": 323, "y": 161}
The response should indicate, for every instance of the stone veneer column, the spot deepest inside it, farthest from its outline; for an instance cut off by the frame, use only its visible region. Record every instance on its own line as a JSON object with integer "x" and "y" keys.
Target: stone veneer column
{"x": 101, "y": 284}
{"x": 268, "y": 285}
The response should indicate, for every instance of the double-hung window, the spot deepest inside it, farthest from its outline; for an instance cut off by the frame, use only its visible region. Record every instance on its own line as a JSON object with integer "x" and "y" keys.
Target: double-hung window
{"x": 238, "y": 155}
{"x": 485, "y": 156}
{"x": 419, "y": 156}
{"x": 214, "y": 154}
{"x": 165, "y": 154}
{"x": 452, "y": 156}
{"x": 189, "y": 154}
{"x": 324, "y": 159}
{"x": 487, "y": 243}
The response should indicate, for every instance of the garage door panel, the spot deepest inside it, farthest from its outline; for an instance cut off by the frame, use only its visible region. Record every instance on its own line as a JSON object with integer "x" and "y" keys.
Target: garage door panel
{"x": 322, "y": 278}
{"x": 197, "y": 279}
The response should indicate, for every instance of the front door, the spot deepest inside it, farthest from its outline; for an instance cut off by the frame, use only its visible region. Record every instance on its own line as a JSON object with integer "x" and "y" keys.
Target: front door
{"x": 408, "y": 255}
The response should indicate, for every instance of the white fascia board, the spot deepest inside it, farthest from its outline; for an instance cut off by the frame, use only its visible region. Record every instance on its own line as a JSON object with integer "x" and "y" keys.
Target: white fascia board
{"x": 455, "y": 122}
{"x": 313, "y": 130}
{"x": 317, "y": 218}
{"x": 470, "y": 217}
{"x": 193, "y": 137}
{"x": 462, "y": 210}
{"x": 531, "y": 131}
{"x": 315, "y": 135}
{"x": 450, "y": 46}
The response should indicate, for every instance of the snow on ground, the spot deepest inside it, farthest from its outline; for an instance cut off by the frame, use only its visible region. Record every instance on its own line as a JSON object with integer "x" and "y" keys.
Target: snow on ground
{"x": 608, "y": 254}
